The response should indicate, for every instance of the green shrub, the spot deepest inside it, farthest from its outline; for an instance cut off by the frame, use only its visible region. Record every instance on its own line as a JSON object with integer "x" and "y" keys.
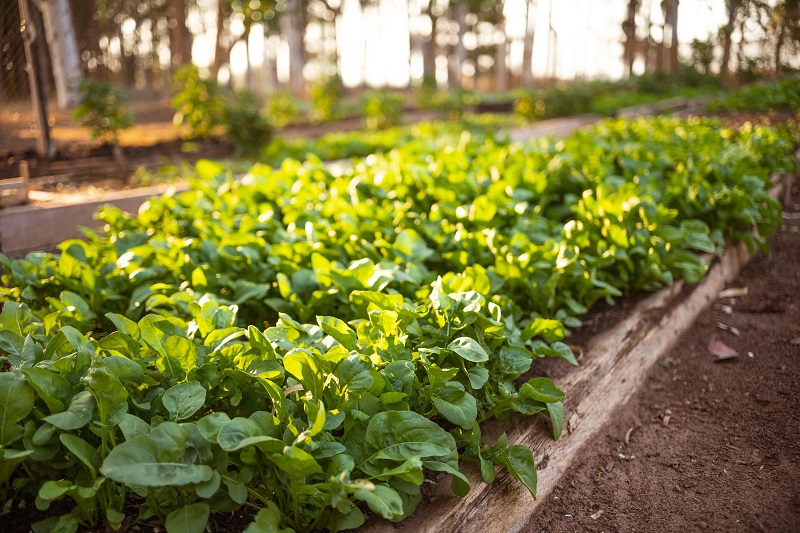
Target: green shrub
{"x": 561, "y": 100}
{"x": 762, "y": 97}
{"x": 102, "y": 110}
{"x": 247, "y": 129}
{"x": 382, "y": 109}
{"x": 326, "y": 99}
{"x": 198, "y": 103}
{"x": 282, "y": 109}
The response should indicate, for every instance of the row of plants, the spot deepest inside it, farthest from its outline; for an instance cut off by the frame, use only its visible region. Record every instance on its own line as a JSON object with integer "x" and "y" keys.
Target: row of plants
{"x": 761, "y": 97}
{"x": 310, "y": 345}
{"x": 355, "y": 144}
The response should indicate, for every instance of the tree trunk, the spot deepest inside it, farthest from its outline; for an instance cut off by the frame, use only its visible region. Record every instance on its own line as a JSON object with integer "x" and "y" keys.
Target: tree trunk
{"x": 179, "y": 35}
{"x": 740, "y": 57}
{"x": 779, "y": 46}
{"x": 270, "y": 67}
{"x": 64, "y": 55}
{"x": 527, "y": 47}
{"x": 429, "y": 49}
{"x": 726, "y": 45}
{"x": 219, "y": 48}
{"x": 500, "y": 65}
{"x": 673, "y": 23}
{"x": 629, "y": 28}
{"x": 334, "y": 12}
{"x": 291, "y": 26}
{"x": 248, "y": 72}
{"x": 460, "y": 51}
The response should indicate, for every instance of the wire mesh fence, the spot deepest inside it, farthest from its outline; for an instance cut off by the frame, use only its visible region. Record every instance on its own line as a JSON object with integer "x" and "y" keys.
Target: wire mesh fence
{"x": 19, "y": 124}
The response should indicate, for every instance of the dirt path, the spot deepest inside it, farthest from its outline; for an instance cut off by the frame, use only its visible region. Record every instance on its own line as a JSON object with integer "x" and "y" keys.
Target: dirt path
{"x": 705, "y": 446}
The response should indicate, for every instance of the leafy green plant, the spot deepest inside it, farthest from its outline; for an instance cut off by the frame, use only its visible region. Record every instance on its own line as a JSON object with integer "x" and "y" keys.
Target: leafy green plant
{"x": 102, "y": 110}
{"x": 382, "y": 110}
{"x": 247, "y": 129}
{"x": 282, "y": 109}
{"x": 311, "y": 344}
{"x": 784, "y": 94}
{"x": 558, "y": 101}
{"x": 326, "y": 99}
{"x": 198, "y": 103}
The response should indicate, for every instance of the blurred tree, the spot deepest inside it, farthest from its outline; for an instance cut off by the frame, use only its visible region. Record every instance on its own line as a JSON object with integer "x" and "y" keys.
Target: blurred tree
{"x": 180, "y": 38}
{"x": 65, "y": 58}
{"x": 501, "y": 50}
{"x": 527, "y": 46}
{"x": 670, "y": 8}
{"x": 784, "y": 28}
{"x": 334, "y": 11}
{"x": 629, "y": 30}
{"x": 293, "y": 24}
{"x": 703, "y": 54}
{"x": 433, "y": 10}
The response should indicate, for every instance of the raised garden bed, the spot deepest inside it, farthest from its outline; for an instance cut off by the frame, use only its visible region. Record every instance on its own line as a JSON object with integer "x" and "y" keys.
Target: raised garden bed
{"x": 433, "y": 288}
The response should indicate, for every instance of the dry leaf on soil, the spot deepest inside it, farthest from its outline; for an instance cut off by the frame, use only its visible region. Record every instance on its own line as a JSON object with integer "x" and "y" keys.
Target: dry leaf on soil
{"x": 720, "y": 350}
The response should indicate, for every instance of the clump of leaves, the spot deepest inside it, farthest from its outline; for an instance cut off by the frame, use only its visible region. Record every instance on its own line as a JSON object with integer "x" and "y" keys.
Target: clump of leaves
{"x": 102, "y": 110}
{"x": 560, "y": 100}
{"x": 382, "y": 109}
{"x": 198, "y": 103}
{"x": 761, "y": 97}
{"x": 247, "y": 129}
{"x": 282, "y": 109}
{"x": 326, "y": 98}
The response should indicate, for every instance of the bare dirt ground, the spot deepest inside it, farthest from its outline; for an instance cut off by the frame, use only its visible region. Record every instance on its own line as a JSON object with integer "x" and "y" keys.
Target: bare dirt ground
{"x": 706, "y": 445}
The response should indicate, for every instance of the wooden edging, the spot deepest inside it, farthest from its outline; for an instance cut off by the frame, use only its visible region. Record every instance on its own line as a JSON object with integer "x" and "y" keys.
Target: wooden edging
{"x": 614, "y": 366}
{"x": 15, "y": 191}
{"x": 41, "y": 226}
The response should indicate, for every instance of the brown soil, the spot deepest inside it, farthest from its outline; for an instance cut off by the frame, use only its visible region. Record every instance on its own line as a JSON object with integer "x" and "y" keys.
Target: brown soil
{"x": 719, "y": 444}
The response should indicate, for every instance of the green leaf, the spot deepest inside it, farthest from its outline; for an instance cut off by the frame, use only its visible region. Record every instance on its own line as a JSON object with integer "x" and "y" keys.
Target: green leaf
{"x": 160, "y": 458}
{"x": 397, "y": 436}
{"x": 382, "y": 500}
{"x": 306, "y": 370}
{"x": 182, "y": 350}
{"x": 16, "y": 402}
{"x": 52, "y": 388}
{"x": 339, "y": 330}
{"x": 107, "y": 390}
{"x": 208, "y": 489}
{"x": 541, "y": 389}
{"x": 184, "y": 399}
{"x": 556, "y": 411}
{"x": 469, "y": 349}
{"x": 297, "y": 463}
{"x": 242, "y": 432}
{"x": 211, "y": 424}
{"x": 549, "y": 329}
{"x": 478, "y": 376}
{"x": 84, "y": 451}
{"x": 77, "y": 415}
{"x": 125, "y": 325}
{"x": 268, "y": 520}
{"x": 132, "y": 426}
{"x": 515, "y": 361}
{"x": 456, "y": 405}
{"x": 519, "y": 462}
{"x": 190, "y": 519}
{"x": 15, "y": 317}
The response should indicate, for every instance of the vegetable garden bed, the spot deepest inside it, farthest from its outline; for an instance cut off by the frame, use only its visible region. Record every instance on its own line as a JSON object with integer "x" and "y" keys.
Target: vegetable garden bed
{"x": 311, "y": 345}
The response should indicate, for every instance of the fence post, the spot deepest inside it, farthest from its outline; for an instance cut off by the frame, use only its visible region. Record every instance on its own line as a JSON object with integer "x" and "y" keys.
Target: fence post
{"x": 44, "y": 144}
